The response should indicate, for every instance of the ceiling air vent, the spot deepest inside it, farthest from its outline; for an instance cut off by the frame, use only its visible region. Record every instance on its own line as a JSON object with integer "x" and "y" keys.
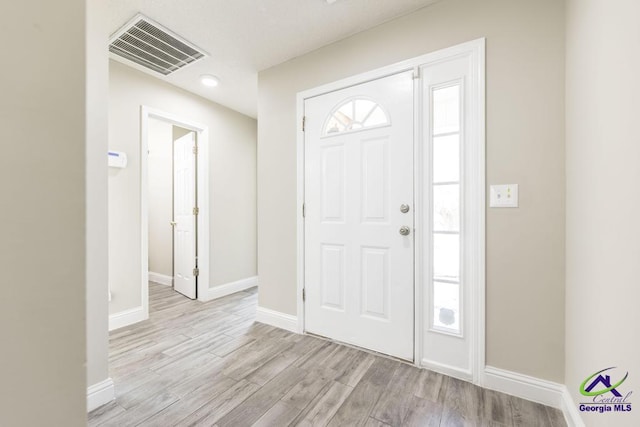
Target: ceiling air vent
{"x": 148, "y": 44}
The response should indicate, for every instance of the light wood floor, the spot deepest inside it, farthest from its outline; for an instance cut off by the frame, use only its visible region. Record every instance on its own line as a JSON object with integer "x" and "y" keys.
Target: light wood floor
{"x": 195, "y": 364}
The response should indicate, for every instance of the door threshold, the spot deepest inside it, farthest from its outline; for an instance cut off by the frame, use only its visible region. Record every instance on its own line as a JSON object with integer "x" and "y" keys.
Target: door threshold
{"x": 366, "y": 350}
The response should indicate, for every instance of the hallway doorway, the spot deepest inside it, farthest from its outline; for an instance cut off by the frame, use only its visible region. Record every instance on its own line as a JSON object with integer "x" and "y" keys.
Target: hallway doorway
{"x": 173, "y": 257}
{"x": 174, "y": 204}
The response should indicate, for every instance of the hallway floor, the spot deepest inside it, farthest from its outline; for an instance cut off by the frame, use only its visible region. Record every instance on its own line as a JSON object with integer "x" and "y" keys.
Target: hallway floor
{"x": 206, "y": 364}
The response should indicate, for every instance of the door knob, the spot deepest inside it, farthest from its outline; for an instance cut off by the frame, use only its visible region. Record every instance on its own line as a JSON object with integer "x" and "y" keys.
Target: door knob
{"x": 404, "y": 230}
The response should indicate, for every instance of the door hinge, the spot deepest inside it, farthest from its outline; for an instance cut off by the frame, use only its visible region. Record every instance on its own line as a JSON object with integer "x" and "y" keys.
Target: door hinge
{"x": 304, "y": 212}
{"x": 196, "y": 211}
{"x": 304, "y": 121}
{"x": 304, "y": 296}
{"x": 195, "y": 149}
{"x": 196, "y": 272}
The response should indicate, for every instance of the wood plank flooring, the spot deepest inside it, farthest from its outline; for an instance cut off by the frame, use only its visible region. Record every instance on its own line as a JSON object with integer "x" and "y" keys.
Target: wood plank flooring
{"x": 211, "y": 364}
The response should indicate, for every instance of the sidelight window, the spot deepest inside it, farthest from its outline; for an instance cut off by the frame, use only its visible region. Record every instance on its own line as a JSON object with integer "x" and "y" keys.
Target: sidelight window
{"x": 446, "y": 200}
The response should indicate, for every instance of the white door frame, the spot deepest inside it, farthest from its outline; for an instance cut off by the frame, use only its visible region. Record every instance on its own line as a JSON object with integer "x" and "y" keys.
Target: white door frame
{"x": 147, "y": 113}
{"x": 475, "y": 168}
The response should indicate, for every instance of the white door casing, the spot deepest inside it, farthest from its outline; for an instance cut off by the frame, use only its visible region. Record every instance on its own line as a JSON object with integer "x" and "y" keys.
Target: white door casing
{"x": 184, "y": 202}
{"x": 359, "y": 272}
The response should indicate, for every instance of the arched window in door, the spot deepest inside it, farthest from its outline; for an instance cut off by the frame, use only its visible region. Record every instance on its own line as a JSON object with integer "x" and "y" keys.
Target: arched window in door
{"x": 355, "y": 114}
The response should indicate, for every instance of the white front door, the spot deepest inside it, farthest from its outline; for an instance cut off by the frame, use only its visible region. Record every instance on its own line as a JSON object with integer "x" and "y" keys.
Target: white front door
{"x": 359, "y": 244}
{"x": 184, "y": 202}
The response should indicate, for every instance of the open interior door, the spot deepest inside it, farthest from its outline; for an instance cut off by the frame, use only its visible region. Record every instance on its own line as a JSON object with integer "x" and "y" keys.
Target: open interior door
{"x": 185, "y": 266}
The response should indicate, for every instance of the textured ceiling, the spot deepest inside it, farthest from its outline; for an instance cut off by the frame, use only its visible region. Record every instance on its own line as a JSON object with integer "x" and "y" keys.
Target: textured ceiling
{"x": 243, "y": 37}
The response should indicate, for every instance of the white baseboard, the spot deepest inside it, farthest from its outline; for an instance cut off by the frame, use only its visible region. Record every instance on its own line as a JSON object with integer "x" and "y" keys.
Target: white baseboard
{"x": 160, "y": 278}
{"x": 524, "y": 386}
{"x": 229, "y": 288}
{"x": 126, "y": 318}
{"x": 536, "y": 390}
{"x": 451, "y": 371}
{"x": 277, "y": 319}
{"x": 570, "y": 410}
{"x": 100, "y": 394}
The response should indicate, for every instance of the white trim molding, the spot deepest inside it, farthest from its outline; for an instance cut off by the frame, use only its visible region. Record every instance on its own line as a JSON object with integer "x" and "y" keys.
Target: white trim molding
{"x": 127, "y": 317}
{"x": 524, "y": 386}
{"x": 162, "y": 279}
{"x": 278, "y": 319}
{"x": 570, "y": 410}
{"x": 100, "y": 394}
{"x": 228, "y": 288}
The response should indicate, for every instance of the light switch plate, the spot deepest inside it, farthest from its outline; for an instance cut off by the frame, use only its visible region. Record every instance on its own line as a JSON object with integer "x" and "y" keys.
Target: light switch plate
{"x": 504, "y": 196}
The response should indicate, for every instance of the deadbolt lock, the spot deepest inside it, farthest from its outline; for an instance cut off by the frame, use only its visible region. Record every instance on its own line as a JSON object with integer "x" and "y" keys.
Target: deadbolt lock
{"x": 404, "y": 208}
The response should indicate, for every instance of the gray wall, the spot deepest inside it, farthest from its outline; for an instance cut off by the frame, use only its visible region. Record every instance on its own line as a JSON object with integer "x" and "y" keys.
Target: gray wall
{"x": 42, "y": 181}
{"x": 232, "y": 181}
{"x": 603, "y": 201}
{"x": 525, "y": 145}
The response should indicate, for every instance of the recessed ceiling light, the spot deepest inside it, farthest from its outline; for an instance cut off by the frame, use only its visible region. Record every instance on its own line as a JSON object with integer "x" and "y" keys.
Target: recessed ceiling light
{"x": 331, "y": 1}
{"x": 209, "y": 80}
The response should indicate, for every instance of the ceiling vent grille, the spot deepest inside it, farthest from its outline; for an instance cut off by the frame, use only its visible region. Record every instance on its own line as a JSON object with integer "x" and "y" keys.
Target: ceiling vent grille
{"x": 148, "y": 44}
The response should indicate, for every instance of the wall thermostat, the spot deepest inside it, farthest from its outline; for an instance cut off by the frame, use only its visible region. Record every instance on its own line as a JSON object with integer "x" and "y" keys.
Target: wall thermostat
{"x": 117, "y": 159}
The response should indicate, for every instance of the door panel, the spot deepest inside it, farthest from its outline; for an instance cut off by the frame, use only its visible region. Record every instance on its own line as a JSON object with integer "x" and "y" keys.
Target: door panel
{"x": 333, "y": 277}
{"x": 184, "y": 200}
{"x": 333, "y": 183}
{"x": 375, "y": 282}
{"x": 358, "y": 172}
{"x": 375, "y": 186}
